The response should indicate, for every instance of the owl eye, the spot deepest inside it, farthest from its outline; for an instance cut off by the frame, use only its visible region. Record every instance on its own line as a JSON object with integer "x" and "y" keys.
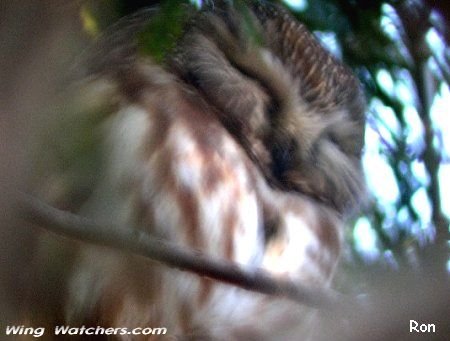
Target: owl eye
{"x": 283, "y": 156}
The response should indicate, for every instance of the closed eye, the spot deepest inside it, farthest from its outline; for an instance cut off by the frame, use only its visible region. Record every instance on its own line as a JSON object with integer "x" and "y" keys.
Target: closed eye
{"x": 282, "y": 159}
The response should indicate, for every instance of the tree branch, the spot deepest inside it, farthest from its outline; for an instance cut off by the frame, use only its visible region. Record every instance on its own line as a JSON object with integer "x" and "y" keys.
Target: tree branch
{"x": 415, "y": 20}
{"x": 140, "y": 243}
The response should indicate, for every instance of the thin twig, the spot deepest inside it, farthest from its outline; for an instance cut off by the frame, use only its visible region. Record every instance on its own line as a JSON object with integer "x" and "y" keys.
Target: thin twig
{"x": 140, "y": 243}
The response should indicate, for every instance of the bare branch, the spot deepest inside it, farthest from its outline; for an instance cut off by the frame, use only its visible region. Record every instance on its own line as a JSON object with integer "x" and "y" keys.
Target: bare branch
{"x": 140, "y": 243}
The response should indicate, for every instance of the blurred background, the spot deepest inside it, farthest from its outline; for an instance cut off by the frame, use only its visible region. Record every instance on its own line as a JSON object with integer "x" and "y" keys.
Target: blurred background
{"x": 398, "y": 49}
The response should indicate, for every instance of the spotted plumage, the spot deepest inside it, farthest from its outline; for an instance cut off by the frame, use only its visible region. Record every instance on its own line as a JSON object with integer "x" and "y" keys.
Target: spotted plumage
{"x": 244, "y": 146}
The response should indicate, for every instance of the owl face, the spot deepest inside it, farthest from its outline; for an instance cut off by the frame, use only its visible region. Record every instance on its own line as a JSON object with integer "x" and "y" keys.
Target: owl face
{"x": 294, "y": 108}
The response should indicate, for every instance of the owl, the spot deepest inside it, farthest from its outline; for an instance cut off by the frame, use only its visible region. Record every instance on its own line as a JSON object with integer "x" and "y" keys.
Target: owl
{"x": 245, "y": 146}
